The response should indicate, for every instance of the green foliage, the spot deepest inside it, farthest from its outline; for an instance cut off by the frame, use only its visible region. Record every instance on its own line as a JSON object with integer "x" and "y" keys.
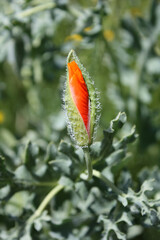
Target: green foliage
{"x": 43, "y": 192}
{"x": 81, "y": 204}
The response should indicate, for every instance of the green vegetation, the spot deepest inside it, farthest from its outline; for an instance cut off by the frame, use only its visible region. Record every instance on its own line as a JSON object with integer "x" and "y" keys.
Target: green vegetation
{"x": 44, "y": 193}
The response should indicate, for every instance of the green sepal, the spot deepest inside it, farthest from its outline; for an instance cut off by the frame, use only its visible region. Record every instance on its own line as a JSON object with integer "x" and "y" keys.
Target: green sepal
{"x": 76, "y": 125}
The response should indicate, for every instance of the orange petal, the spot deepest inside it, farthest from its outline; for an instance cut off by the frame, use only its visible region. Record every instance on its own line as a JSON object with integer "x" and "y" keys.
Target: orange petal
{"x": 79, "y": 92}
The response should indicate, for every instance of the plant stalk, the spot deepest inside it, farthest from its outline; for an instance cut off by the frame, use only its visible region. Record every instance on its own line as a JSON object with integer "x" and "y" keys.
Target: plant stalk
{"x": 36, "y": 9}
{"x": 88, "y": 163}
{"x": 44, "y": 203}
{"x": 107, "y": 181}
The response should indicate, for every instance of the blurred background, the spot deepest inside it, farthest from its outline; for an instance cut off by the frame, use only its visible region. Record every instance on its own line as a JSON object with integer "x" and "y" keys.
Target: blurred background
{"x": 118, "y": 42}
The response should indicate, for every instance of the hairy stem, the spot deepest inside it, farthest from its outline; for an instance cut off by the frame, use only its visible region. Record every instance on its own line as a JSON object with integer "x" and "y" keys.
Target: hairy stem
{"x": 88, "y": 163}
{"x": 44, "y": 203}
{"x": 107, "y": 181}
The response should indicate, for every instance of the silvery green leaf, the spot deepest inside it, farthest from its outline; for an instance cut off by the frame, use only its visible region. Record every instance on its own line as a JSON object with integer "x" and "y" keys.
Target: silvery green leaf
{"x": 125, "y": 218}
{"x": 38, "y": 222}
{"x": 51, "y": 152}
{"x": 4, "y": 191}
{"x": 66, "y": 148}
{"x": 18, "y": 202}
{"x": 115, "y": 157}
{"x": 153, "y": 65}
{"x": 31, "y": 152}
{"x": 125, "y": 180}
{"x": 81, "y": 189}
{"x": 154, "y": 217}
{"x": 110, "y": 226}
{"x": 118, "y": 122}
{"x": 5, "y": 175}
{"x": 56, "y": 235}
{"x": 115, "y": 125}
{"x": 123, "y": 200}
{"x": 95, "y": 149}
{"x": 139, "y": 200}
{"x": 65, "y": 181}
{"x": 61, "y": 164}
{"x": 127, "y": 139}
{"x": 134, "y": 231}
{"x": 22, "y": 174}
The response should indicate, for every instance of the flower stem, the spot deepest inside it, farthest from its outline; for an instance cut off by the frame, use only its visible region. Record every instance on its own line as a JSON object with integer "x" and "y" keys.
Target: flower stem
{"x": 88, "y": 163}
{"x": 33, "y": 10}
{"x": 44, "y": 203}
{"x": 107, "y": 181}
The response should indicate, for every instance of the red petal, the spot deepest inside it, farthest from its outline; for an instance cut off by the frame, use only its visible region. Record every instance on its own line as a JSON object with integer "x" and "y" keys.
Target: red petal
{"x": 79, "y": 92}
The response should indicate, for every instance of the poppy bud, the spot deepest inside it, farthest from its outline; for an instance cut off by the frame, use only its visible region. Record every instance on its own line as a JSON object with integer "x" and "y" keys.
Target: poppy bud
{"x": 80, "y": 102}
